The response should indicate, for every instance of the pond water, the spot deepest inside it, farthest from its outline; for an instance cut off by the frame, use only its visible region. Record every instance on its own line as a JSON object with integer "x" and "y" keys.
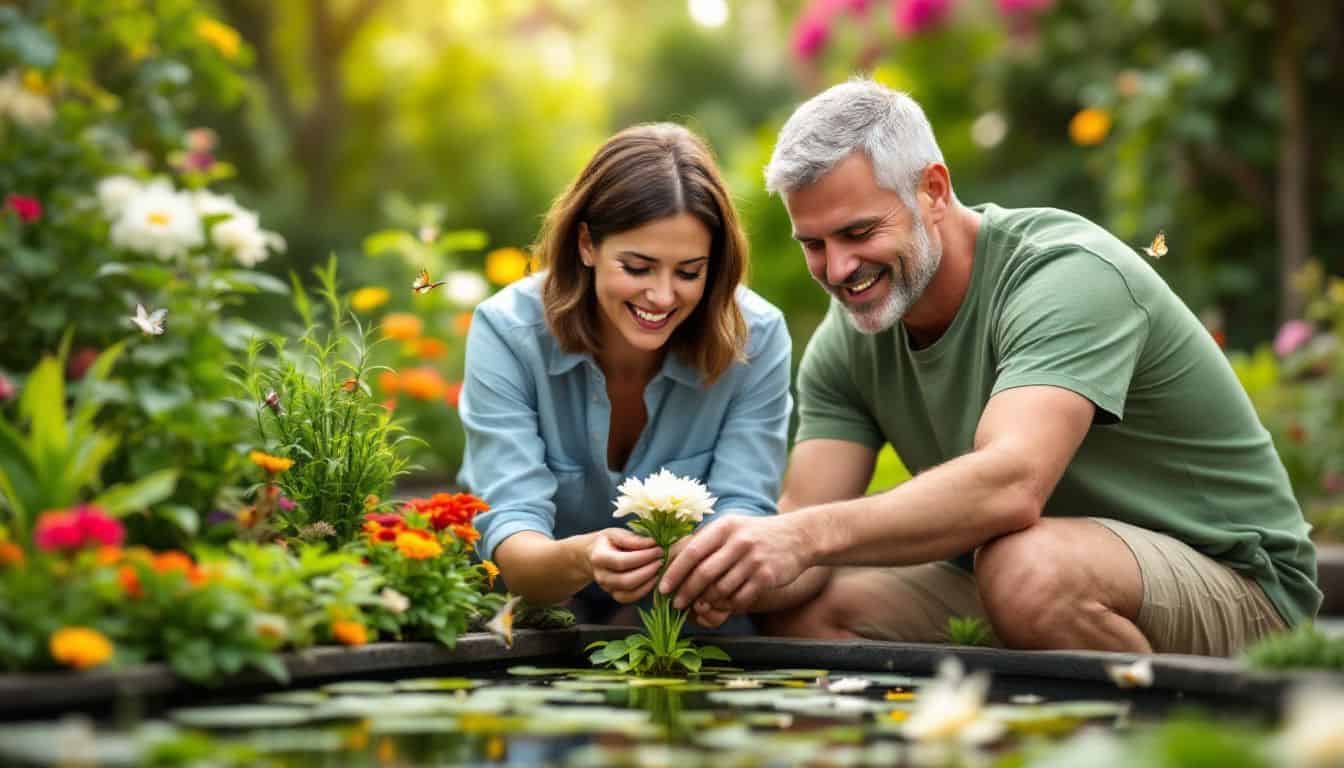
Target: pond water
{"x": 552, "y": 715}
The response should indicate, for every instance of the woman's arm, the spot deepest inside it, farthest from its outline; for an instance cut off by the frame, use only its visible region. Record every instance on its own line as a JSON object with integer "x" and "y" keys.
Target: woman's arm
{"x": 546, "y": 570}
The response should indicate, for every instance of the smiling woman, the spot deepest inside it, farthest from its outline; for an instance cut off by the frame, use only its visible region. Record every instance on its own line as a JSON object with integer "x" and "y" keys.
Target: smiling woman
{"x": 637, "y": 349}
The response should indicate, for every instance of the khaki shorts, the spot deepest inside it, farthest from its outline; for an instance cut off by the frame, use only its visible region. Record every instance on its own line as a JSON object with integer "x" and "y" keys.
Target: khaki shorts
{"x": 1191, "y": 603}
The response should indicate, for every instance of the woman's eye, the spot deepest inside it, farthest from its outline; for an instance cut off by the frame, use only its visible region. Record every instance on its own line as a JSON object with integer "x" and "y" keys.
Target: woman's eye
{"x": 688, "y": 275}
{"x": 635, "y": 270}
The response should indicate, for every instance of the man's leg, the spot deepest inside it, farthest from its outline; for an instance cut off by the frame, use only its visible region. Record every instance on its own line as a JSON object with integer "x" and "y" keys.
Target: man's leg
{"x": 1062, "y": 583}
{"x": 907, "y": 604}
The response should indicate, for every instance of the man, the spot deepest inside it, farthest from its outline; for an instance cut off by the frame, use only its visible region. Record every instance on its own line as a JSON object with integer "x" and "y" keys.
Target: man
{"x": 1074, "y": 430}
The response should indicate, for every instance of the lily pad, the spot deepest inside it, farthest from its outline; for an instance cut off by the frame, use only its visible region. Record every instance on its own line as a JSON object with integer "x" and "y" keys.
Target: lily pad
{"x": 295, "y": 740}
{"x": 295, "y": 698}
{"x": 392, "y": 726}
{"x": 243, "y": 716}
{"x": 438, "y": 684}
{"x": 526, "y": 670}
{"x": 359, "y": 688}
{"x": 591, "y": 685}
{"x": 649, "y": 682}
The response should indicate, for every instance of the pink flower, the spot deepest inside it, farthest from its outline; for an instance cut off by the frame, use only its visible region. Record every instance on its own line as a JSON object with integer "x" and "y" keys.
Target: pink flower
{"x": 1014, "y": 7}
{"x": 28, "y": 208}
{"x": 76, "y": 528}
{"x": 1292, "y": 335}
{"x": 286, "y": 503}
{"x": 809, "y": 35}
{"x": 7, "y": 388}
{"x": 912, "y": 17}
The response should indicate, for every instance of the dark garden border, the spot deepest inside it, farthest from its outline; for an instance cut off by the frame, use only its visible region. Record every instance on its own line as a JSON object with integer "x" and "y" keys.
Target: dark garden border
{"x": 1175, "y": 675}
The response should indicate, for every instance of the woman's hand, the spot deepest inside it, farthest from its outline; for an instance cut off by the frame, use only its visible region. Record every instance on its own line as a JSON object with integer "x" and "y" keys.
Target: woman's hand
{"x": 624, "y": 563}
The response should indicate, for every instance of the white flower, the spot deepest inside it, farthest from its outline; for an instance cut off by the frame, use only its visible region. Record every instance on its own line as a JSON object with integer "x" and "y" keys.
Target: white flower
{"x": 115, "y": 193}
{"x": 1313, "y": 735}
{"x": 207, "y": 203}
{"x": 466, "y": 288}
{"x": 847, "y": 685}
{"x": 151, "y": 323}
{"x": 243, "y": 238}
{"x": 270, "y": 626}
{"x": 741, "y": 682}
{"x": 159, "y": 221}
{"x": 685, "y": 497}
{"x": 25, "y": 107}
{"x": 394, "y": 601}
{"x": 1136, "y": 675}
{"x": 950, "y": 709}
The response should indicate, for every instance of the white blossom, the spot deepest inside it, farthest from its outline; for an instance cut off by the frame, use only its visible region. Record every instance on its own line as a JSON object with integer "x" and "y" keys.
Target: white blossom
{"x": 847, "y": 685}
{"x": 242, "y": 237}
{"x": 685, "y": 497}
{"x": 25, "y": 107}
{"x": 394, "y": 601}
{"x": 1136, "y": 675}
{"x": 158, "y": 221}
{"x": 117, "y": 192}
{"x": 950, "y": 709}
{"x": 270, "y": 626}
{"x": 466, "y": 288}
{"x": 150, "y": 323}
{"x": 1312, "y": 735}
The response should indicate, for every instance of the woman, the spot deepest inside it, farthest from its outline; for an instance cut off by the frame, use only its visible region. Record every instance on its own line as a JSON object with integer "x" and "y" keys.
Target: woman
{"x": 638, "y": 348}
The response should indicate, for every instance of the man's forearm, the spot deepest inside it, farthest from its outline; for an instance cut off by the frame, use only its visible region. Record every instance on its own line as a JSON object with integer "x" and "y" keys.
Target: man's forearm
{"x": 941, "y": 513}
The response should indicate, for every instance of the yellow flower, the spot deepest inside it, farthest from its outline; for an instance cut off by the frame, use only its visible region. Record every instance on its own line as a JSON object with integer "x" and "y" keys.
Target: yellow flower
{"x": 505, "y": 265}
{"x": 34, "y": 82}
{"x": 417, "y": 546}
{"x": 1090, "y": 126}
{"x": 349, "y": 632}
{"x": 491, "y": 571}
{"x": 80, "y": 647}
{"x": 272, "y": 464}
{"x": 402, "y": 326}
{"x": 369, "y": 299}
{"x": 220, "y": 36}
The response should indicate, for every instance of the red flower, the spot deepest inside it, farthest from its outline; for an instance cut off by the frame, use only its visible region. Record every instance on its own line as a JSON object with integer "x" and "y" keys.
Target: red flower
{"x": 446, "y": 509}
{"x": 466, "y": 532}
{"x": 79, "y": 363}
{"x": 74, "y": 529}
{"x": 28, "y": 208}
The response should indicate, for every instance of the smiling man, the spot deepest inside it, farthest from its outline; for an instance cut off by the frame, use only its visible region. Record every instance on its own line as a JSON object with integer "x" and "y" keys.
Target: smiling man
{"x": 1088, "y": 471}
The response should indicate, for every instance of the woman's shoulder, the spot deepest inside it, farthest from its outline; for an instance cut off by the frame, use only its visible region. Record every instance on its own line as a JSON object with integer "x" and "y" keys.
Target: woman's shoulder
{"x": 760, "y": 315}
{"x": 517, "y": 305}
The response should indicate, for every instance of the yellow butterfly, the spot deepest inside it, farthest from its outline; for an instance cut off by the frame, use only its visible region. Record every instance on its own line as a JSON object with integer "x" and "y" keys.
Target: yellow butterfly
{"x": 422, "y": 283}
{"x": 1159, "y": 247}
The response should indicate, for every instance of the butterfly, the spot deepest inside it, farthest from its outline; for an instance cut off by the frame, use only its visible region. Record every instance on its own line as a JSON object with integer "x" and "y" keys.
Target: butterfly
{"x": 150, "y": 323}
{"x": 501, "y": 626}
{"x": 350, "y": 385}
{"x": 422, "y": 283}
{"x": 1159, "y": 247}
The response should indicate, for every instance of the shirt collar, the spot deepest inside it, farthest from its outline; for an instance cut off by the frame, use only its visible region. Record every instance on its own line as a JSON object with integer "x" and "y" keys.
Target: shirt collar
{"x": 674, "y": 367}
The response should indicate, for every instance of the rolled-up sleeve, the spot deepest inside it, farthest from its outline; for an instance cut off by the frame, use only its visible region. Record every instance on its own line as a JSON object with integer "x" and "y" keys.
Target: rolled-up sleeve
{"x": 505, "y": 455}
{"x": 752, "y": 447}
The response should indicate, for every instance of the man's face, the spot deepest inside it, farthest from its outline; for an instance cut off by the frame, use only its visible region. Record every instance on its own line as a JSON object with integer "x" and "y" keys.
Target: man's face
{"x": 863, "y": 244}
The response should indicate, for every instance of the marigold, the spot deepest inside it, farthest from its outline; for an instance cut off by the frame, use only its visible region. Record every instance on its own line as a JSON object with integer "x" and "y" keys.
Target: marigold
{"x": 1090, "y": 127}
{"x": 172, "y": 561}
{"x": 389, "y": 382}
{"x": 466, "y": 533}
{"x": 80, "y": 647}
{"x": 219, "y": 36}
{"x": 272, "y": 464}
{"x": 423, "y": 383}
{"x": 445, "y": 509}
{"x": 10, "y": 553}
{"x": 428, "y": 348}
{"x": 402, "y": 326}
{"x": 491, "y": 572}
{"x": 462, "y": 323}
{"x": 452, "y": 394}
{"x": 129, "y": 578}
{"x": 108, "y": 555}
{"x": 349, "y": 632}
{"x": 505, "y": 265}
{"x": 417, "y": 547}
{"x": 369, "y": 299}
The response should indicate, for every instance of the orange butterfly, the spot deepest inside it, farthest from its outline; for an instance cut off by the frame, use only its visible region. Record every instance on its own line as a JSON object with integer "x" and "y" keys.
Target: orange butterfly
{"x": 1159, "y": 247}
{"x": 422, "y": 283}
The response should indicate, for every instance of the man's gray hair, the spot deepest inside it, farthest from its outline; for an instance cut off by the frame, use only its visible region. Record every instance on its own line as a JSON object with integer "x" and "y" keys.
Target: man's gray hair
{"x": 887, "y": 125}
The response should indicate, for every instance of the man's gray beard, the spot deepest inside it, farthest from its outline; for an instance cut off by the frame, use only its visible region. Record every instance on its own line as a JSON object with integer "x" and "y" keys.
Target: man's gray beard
{"x": 905, "y": 289}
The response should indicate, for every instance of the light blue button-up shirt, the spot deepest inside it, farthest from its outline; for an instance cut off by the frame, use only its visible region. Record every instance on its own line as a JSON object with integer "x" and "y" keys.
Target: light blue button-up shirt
{"x": 537, "y": 420}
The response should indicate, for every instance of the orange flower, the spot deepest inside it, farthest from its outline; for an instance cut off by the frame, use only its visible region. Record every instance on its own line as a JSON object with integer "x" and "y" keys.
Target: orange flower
{"x": 445, "y": 509}
{"x": 415, "y": 545}
{"x": 10, "y": 553}
{"x": 173, "y": 560}
{"x": 423, "y": 384}
{"x": 80, "y": 647}
{"x": 462, "y": 323}
{"x": 349, "y": 632}
{"x": 467, "y": 533}
{"x": 105, "y": 555}
{"x": 1090, "y": 127}
{"x": 402, "y": 326}
{"x": 272, "y": 464}
{"x": 129, "y": 578}
{"x": 452, "y": 394}
{"x": 491, "y": 571}
{"x": 430, "y": 348}
{"x": 389, "y": 382}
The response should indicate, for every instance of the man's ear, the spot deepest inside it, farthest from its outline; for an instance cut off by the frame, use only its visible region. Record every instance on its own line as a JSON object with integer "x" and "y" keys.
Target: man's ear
{"x": 587, "y": 253}
{"x": 935, "y": 192}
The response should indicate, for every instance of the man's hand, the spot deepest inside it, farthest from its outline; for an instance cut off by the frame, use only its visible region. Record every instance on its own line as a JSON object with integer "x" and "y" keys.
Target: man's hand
{"x": 624, "y": 563}
{"x": 733, "y": 561}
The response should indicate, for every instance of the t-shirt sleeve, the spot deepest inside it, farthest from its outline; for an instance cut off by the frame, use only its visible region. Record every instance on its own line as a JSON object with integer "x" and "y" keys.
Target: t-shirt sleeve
{"x": 830, "y": 404}
{"x": 1073, "y": 323}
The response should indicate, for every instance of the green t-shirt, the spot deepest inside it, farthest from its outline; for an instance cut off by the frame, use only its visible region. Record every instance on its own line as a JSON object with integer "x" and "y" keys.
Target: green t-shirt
{"x": 1056, "y": 300}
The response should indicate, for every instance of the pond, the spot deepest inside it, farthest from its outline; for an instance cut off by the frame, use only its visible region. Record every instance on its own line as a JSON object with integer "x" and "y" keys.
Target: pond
{"x": 558, "y": 710}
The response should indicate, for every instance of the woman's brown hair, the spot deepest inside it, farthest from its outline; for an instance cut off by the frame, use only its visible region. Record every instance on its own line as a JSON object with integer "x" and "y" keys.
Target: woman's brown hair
{"x": 645, "y": 173}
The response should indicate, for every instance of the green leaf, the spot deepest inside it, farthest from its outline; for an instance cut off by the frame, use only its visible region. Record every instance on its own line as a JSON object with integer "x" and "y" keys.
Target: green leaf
{"x": 394, "y": 240}
{"x": 690, "y": 661}
{"x": 462, "y": 240}
{"x": 18, "y": 475}
{"x": 133, "y": 497}
{"x": 182, "y": 516}
{"x": 258, "y": 281}
{"x": 273, "y": 667}
{"x": 43, "y": 405}
{"x": 147, "y": 275}
{"x": 713, "y": 653}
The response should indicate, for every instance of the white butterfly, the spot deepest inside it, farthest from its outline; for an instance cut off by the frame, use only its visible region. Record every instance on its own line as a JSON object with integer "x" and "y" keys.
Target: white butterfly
{"x": 1136, "y": 675}
{"x": 149, "y": 322}
{"x": 501, "y": 626}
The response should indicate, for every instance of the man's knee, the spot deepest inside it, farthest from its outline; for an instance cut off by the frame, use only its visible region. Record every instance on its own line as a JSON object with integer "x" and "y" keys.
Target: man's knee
{"x": 1023, "y": 584}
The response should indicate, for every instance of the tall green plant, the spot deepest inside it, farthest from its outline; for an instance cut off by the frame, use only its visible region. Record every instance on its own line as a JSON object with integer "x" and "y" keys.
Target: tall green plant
{"x": 314, "y": 406}
{"x": 52, "y": 458}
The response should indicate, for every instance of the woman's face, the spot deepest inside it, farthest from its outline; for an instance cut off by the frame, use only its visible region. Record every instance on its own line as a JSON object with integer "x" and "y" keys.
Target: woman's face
{"x": 647, "y": 280}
